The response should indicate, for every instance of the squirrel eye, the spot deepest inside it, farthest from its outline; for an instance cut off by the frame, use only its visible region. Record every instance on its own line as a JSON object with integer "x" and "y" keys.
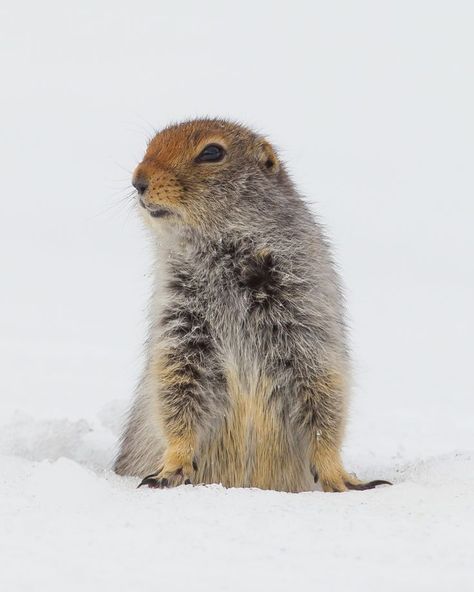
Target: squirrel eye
{"x": 211, "y": 153}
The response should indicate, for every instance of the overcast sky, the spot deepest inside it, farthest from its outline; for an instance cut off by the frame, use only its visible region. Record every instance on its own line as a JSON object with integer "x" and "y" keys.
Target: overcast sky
{"x": 370, "y": 104}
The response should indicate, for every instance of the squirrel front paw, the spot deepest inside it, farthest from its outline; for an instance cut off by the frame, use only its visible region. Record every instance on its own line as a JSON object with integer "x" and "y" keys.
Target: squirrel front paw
{"x": 175, "y": 469}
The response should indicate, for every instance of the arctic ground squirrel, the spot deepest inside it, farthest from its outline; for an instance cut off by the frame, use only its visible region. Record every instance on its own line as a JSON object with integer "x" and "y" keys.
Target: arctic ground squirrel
{"x": 247, "y": 373}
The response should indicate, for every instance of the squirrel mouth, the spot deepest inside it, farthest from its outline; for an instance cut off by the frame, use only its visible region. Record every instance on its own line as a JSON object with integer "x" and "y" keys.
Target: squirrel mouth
{"x": 159, "y": 212}
{"x": 155, "y": 212}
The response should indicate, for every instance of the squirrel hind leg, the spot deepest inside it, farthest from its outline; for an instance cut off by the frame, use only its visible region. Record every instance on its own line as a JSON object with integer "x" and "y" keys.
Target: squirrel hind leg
{"x": 343, "y": 481}
{"x": 329, "y": 471}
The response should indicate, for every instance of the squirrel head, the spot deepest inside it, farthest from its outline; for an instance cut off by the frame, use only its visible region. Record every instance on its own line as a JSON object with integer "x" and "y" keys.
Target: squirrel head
{"x": 203, "y": 173}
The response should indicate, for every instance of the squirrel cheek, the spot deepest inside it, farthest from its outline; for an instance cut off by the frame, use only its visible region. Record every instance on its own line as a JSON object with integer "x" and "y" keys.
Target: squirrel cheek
{"x": 165, "y": 192}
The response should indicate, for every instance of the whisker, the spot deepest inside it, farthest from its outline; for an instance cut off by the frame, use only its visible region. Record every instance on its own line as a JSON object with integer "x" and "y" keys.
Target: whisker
{"x": 125, "y": 203}
{"x": 124, "y": 168}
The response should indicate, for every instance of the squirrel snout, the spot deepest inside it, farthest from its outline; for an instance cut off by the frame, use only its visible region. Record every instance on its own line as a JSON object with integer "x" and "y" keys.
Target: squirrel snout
{"x": 158, "y": 189}
{"x": 140, "y": 184}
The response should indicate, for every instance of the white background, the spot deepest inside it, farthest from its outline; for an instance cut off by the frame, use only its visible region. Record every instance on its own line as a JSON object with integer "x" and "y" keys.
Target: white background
{"x": 370, "y": 104}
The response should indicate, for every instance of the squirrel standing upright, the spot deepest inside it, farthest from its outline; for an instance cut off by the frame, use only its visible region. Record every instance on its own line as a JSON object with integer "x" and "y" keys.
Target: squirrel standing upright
{"x": 247, "y": 372}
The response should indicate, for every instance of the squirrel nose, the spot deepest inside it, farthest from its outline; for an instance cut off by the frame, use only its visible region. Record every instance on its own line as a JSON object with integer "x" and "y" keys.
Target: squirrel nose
{"x": 140, "y": 184}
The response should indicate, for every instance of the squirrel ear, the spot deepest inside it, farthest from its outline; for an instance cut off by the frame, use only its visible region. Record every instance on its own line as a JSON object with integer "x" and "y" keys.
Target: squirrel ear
{"x": 267, "y": 158}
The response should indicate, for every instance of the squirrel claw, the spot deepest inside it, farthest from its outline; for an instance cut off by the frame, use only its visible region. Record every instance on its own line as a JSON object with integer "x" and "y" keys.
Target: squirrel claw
{"x": 364, "y": 486}
{"x": 154, "y": 481}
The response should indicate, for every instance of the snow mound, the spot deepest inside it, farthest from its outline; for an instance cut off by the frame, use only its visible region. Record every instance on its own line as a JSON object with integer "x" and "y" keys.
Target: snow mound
{"x": 92, "y": 444}
{"x": 77, "y": 524}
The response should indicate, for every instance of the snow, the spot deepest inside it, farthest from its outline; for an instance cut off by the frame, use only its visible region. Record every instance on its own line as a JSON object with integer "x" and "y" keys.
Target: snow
{"x": 80, "y": 526}
{"x": 371, "y": 104}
